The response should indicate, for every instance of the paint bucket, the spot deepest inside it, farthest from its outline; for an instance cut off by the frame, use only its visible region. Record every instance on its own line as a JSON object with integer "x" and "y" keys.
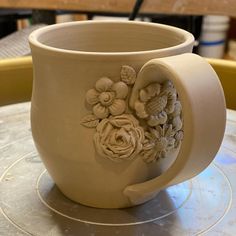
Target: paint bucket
{"x": 213, "y": 36}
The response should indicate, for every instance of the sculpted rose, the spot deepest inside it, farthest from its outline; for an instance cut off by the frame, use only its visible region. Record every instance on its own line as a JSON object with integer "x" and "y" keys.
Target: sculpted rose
{"x": 119, "y": 137}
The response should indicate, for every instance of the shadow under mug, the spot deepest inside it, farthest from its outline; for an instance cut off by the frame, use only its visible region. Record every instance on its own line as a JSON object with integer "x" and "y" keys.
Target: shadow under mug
{"x": 121, "y": 110}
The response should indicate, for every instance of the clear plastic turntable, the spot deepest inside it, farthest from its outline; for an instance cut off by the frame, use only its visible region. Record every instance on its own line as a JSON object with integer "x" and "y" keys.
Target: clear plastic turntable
{"x": 31, "y": 204}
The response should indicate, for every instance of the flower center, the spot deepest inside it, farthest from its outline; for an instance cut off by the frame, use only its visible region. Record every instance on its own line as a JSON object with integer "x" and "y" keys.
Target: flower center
{"x": 161, "y": 144}
{"x": 156, "y": 105}
{"x": 120, "y": 140}
{"x": 106, "y": 98}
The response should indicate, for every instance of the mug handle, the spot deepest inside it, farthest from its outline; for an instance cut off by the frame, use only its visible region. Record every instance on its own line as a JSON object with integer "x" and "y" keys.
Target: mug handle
{"x": 204, "y": 118}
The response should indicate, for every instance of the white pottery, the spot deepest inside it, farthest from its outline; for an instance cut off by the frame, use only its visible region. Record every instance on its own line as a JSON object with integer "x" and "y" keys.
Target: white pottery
{"x": 121, "y": 110}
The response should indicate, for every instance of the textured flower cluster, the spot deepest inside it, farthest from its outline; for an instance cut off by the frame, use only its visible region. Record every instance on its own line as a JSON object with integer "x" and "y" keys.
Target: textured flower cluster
{"x": 119, "y": 135}
{"x": 158, "y": 105}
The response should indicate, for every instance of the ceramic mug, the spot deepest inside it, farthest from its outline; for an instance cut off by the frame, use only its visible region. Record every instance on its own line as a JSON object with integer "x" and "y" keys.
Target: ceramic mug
{"x": 121, "y": 110}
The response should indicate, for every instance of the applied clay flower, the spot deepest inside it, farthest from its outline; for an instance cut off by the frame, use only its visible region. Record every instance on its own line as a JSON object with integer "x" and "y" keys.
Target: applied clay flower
{"x": 119, "y": 137}
{"x": 156, "y": 102}
{"x": 158, "y": 142}
{"x": 107, "y": 98}
{"x": 175, "y": 118}
{"x": 128, "y": 75}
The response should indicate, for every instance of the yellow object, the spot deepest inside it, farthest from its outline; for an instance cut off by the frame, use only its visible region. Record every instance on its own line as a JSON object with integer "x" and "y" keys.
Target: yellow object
{"x": 226, "y": 71}
{"x": 16, "y": 78}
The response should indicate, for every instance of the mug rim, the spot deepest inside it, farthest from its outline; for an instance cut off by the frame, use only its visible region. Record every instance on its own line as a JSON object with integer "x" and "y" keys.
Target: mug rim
{"x": 34, "y": 38}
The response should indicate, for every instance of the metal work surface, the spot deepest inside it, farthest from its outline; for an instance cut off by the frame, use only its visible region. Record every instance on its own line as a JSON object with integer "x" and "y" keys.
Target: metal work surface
{"x": 31, "y": 204}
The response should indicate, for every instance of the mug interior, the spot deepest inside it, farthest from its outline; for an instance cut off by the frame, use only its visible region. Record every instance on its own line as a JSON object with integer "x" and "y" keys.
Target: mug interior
{"x": 111, "y": 37}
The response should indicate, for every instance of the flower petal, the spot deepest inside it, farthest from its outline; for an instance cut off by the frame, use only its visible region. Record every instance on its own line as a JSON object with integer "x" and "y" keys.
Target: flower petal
{"x": 156, "y": 105}
{"x": 140, "y": 109}
{"x": 161, "y": 144}
{"x": 177, "y": 123}
{"x": 155, "y": 133}
{"x": 100, "y": 111}
{"x": 153, "y": 121}
{"x": 92, "y": 97}
{"x": 177, "y": 109}
{"x": 171, "y": 144}
{"x": 179, "y": 135}
{"x": 121, "y": 89}
{"x": 162, "y": 154}
{"x": 117, "y": 107}
{"x": 125, "y": 120}
{"x": 178, "y": 138}
{"x": 168, "y": 130}
{"x": 168, "y": 91}
{"x": 149, "y": 136}
{"x": 153, "y": 89}
{"x": 168, "y": 84}
{"x": 160, "y": 119}
{"x": 171, "y": 103}
{"x": 149, "y": 155}
{"x": 143, "y": 95}
{"x": 160, "y": 131}
{"x": 104, "y": 84}
{"x": 163, "y": 117}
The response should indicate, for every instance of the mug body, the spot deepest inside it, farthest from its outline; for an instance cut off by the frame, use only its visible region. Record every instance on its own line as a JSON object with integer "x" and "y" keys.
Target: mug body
{"x": 71, "y": 59}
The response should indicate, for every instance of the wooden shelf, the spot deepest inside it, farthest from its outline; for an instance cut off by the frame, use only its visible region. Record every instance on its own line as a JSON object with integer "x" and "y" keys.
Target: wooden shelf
{"x": 193, "y": 7}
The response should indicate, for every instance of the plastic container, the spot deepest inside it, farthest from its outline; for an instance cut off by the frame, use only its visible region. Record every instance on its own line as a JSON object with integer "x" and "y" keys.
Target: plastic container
{"x": 213, "y": 36}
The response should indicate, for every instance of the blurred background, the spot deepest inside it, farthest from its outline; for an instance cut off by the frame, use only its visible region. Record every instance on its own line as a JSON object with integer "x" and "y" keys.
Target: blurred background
{"x": 211, "y": 22}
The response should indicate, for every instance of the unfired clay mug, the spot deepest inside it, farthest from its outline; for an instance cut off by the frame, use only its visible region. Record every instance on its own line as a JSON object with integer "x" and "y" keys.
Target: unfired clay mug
{"x": 121, "y": 110}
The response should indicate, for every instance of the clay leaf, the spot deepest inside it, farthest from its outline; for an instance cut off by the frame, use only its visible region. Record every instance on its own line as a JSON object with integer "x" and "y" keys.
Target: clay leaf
{"x": 90, "y": 121}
